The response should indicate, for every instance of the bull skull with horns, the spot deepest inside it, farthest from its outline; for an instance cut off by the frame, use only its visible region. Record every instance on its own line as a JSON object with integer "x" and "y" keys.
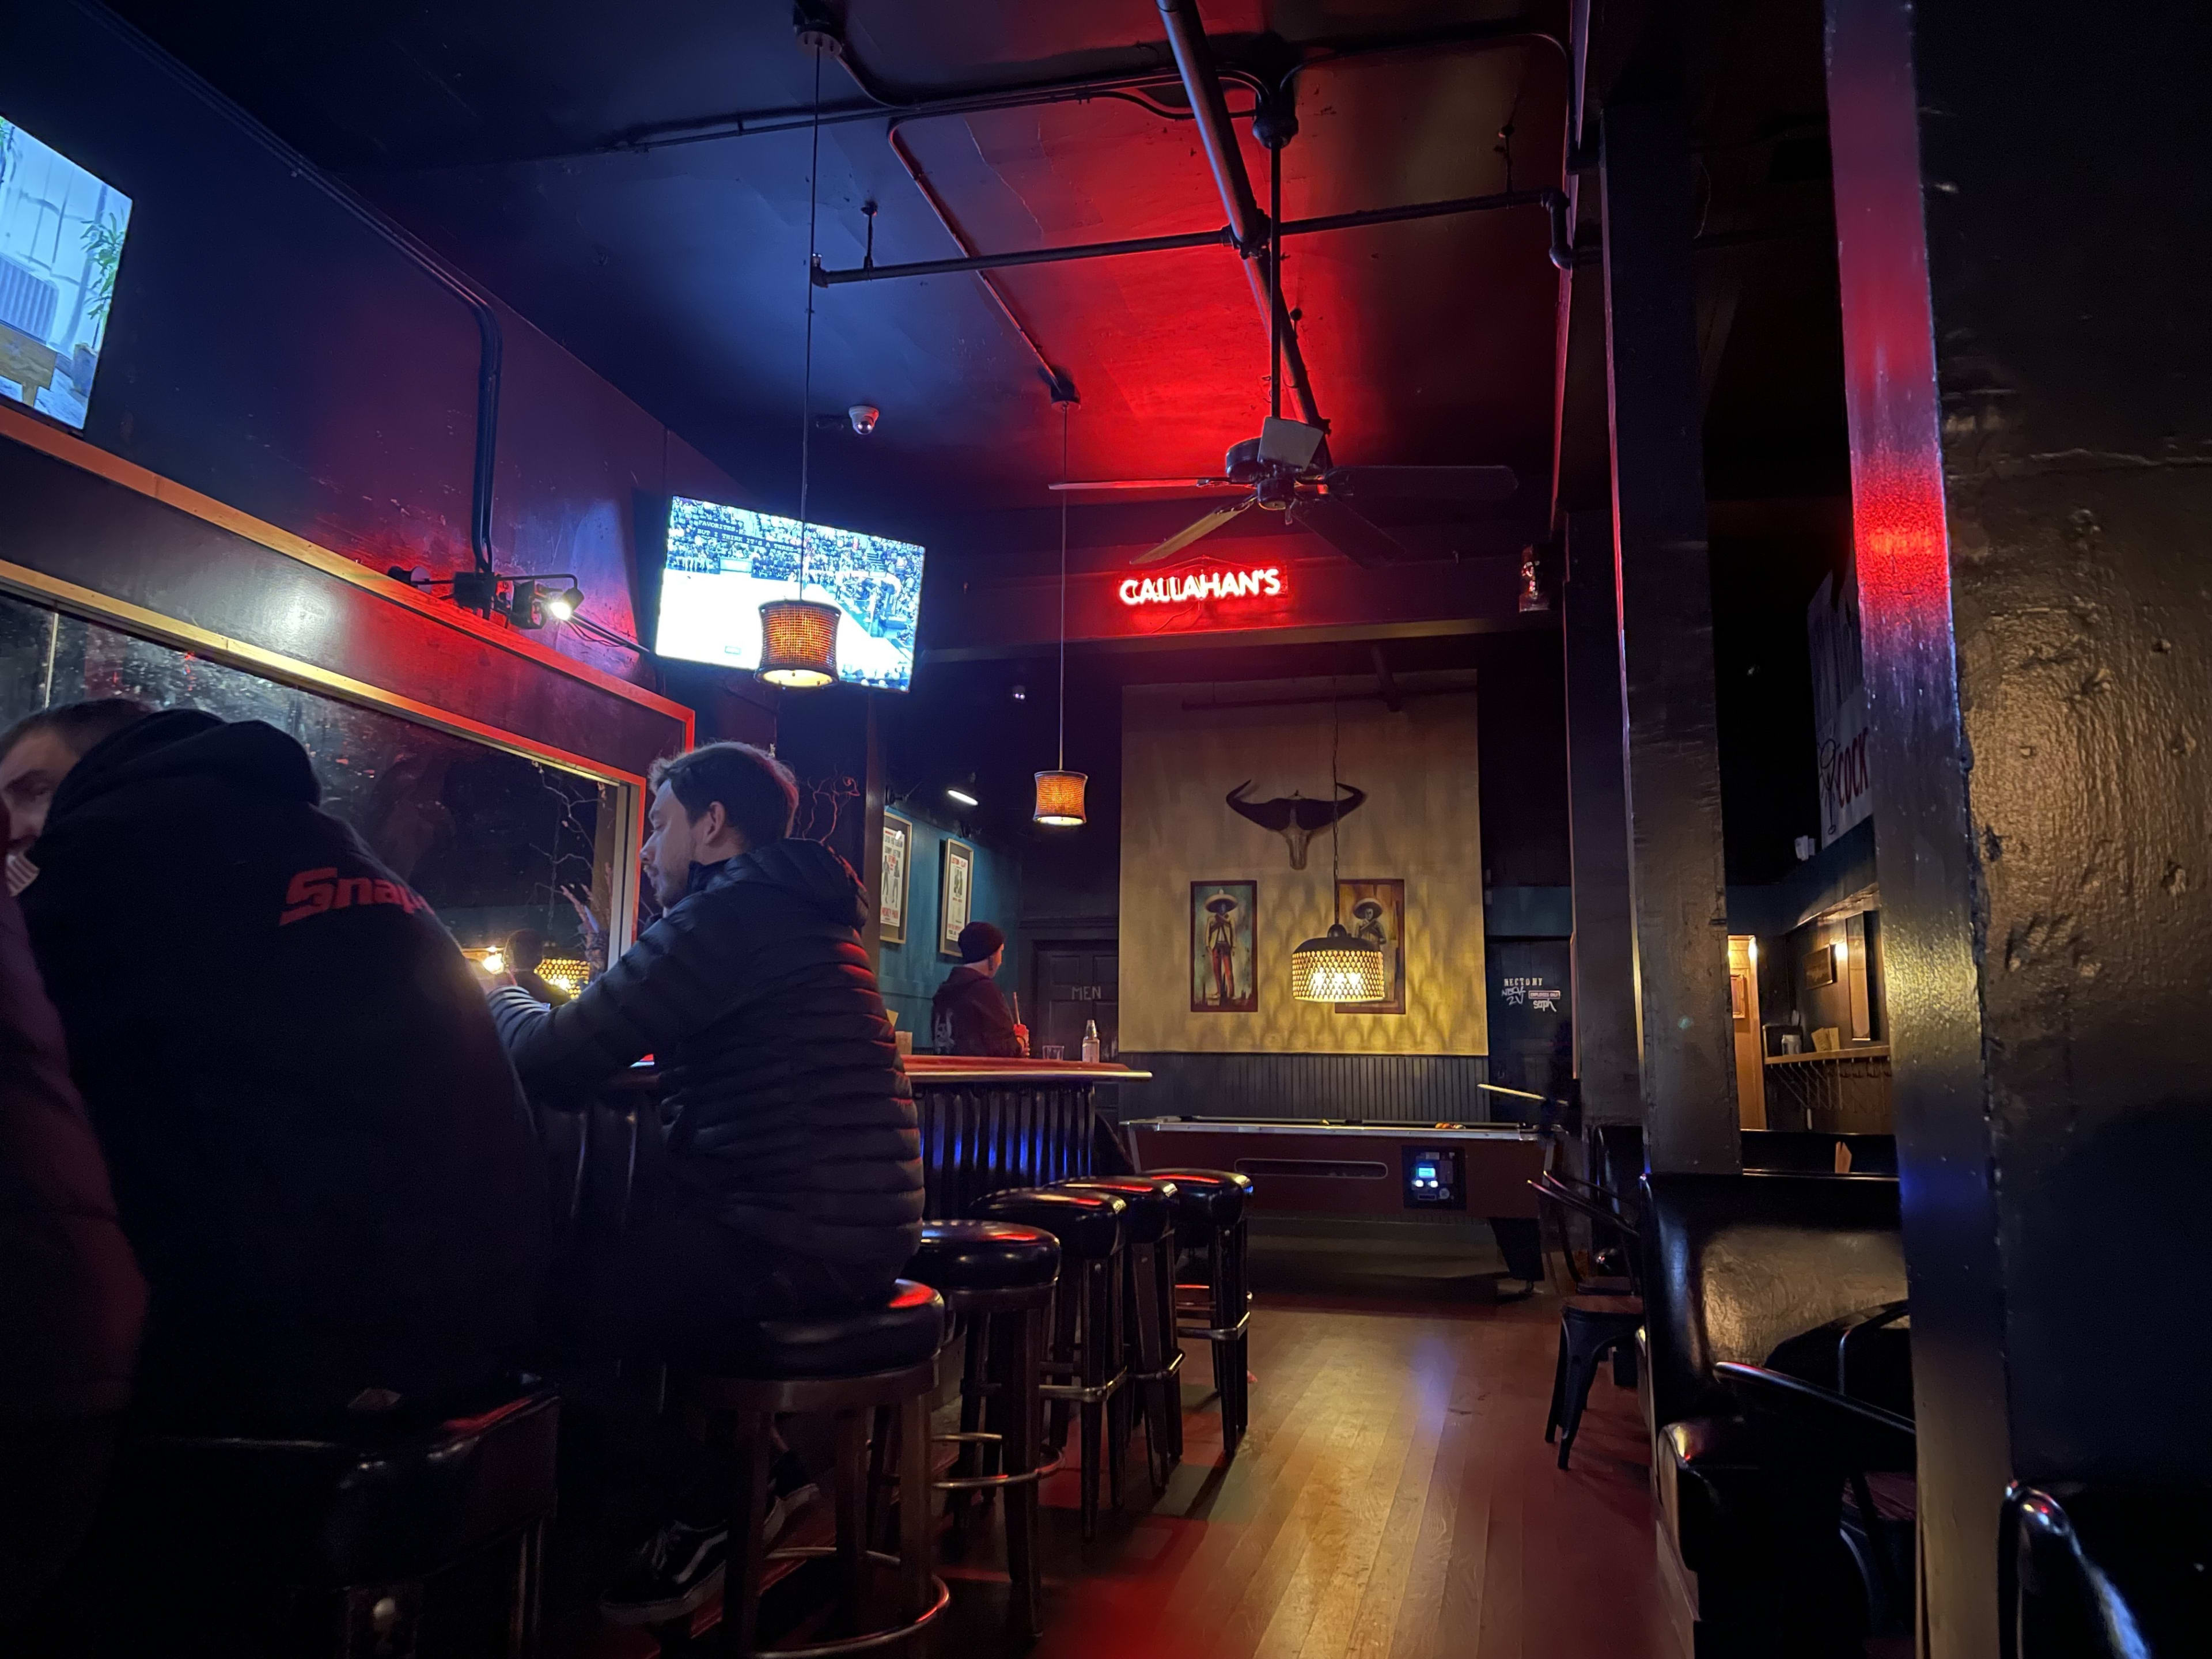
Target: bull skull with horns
{"x": 1294, "y": 817}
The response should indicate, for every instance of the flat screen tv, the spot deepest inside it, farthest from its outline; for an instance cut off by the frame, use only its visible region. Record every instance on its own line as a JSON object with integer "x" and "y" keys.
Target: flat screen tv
{"x": 60, "y": 240}
{"x": 725, "y": 561}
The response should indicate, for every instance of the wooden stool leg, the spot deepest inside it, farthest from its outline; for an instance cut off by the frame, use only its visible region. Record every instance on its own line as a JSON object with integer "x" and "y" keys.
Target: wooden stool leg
{"x": 915, "y": 1567}
{"x": 1159, "y": 1444}
{"x": 529, "y": 1594}
{"x": 1067, "y": 1302}
{"x": 1020, "y": 1359}
{"x": 1093, "y": 1375}
{"x": 1239, "y": 1357}
{"x": 850, "y": 1498}
{"x": 1163, "y": 1261}
{"x": 1113, "y": 1347}
{"x": 883, "y": 1460}
{"x": 974, "y": 1379}
{"x": 753, "y": 1432}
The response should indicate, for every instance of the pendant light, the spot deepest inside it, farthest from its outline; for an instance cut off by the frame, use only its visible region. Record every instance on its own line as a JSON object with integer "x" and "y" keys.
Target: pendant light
{"x": 1338, "y": 966}
{"x": 1060, "y": 791}
{"x": 799, "y": 636}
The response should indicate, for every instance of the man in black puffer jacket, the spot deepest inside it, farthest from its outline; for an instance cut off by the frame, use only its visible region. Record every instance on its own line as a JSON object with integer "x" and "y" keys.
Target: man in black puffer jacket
{"x": 319, "y": 1153}
{"x": 793, "y": 1181}
{"x": 794, "y": 1165}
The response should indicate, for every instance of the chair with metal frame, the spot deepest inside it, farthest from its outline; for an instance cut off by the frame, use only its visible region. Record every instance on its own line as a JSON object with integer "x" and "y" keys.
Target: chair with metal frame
{"x": 1593, "y": 1323}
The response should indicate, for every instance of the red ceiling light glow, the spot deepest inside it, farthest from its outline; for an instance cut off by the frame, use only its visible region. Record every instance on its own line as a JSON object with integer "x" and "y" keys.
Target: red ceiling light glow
{"x": 1265, "y": 583}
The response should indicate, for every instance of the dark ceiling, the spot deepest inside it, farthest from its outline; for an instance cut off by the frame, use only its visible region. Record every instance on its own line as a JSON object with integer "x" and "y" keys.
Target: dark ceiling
{"x": 679, "y": 273}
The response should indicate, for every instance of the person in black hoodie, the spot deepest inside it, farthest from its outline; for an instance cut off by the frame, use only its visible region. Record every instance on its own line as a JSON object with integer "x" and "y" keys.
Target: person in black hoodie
{"x": 793, "y": 1179}
{"x": 319, "y": 1153}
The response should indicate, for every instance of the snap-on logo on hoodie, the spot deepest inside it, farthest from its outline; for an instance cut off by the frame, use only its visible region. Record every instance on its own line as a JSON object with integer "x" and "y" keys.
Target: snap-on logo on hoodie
{"x": 314, "y": 892}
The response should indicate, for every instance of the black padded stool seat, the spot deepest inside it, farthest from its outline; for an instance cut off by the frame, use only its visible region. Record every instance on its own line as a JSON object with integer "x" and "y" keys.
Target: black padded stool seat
{"x": 1085, "y": 1223}
{"x": 1151, "y": 1200}
{"x": 904, "y": 1331}
{"x": 1212, "y": 1198}
{"x": 363, "y": 1517}
{"x": 984, "y": 1256}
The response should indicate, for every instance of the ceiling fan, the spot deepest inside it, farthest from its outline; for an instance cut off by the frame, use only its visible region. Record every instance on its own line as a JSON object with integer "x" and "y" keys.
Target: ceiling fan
{"x": 1281, "y": 468}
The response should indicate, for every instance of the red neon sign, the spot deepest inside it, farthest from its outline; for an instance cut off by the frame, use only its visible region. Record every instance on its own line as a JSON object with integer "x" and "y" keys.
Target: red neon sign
{"x": 1265, "y": 583}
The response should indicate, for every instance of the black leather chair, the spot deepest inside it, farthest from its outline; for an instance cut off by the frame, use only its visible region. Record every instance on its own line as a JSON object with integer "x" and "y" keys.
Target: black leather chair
{"x": 2105, "y": 1571}
{"x": 848, "y": 1367}
{"x": 1210, "y": 1225}
{"x": 997, "y": 1281}
{"x": 1734, "y": 1267}
{"x": 1084, "y": 1354}
{"x": 326, "y": 1543}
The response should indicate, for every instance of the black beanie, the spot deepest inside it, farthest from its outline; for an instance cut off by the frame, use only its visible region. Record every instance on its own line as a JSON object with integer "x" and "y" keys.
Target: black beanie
{"x": 979, "y": 940}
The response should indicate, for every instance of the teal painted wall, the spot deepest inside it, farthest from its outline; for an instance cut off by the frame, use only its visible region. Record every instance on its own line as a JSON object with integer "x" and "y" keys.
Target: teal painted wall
{"x": 909, "y": 974}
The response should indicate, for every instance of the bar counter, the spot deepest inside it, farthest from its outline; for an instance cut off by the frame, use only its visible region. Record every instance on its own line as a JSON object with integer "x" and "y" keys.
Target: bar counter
{"x": 986, "y": 1124}
{"x": 990, "y": 1124}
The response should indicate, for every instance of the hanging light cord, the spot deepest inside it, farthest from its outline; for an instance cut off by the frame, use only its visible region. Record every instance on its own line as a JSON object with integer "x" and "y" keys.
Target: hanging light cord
{"x": 1336, "y": 823}
{"x": 1275, "y": 282}
{"x": 806, "y": 382}
{"x": 1063, "y": 409}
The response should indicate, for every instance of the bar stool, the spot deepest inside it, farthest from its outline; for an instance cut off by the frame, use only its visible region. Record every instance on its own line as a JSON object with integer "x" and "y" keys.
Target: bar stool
{"x": 997, "y": 1279}
{"x": 846, "y": 1366}
{"x": 1148, "y": 1238}
{"x": 1086, "y": 1341}
{"x": 1210, "y": 1206}
{"x": 324, "y": 1544}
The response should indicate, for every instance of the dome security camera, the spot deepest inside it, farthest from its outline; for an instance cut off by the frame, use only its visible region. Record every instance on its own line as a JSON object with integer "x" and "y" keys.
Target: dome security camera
{"x": 863, "y": 417}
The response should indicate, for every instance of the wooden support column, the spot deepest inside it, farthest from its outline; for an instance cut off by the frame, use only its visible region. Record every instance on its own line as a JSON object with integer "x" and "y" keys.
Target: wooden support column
{"x": 2029, "y": 379}
{"x": 1677, "y": 889}
{"x": 1604, "y": 940}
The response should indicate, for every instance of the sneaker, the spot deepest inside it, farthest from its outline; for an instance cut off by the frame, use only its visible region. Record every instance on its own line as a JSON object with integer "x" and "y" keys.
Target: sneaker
{"x": 682, "y": 1565}
{"x": 670, "y": 1578}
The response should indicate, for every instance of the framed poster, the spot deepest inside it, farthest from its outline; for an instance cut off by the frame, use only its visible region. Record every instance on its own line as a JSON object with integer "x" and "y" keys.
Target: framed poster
{"x": 898, "y": 852}
{"x": 1375, "y": 910}
{"x": 956, "y": 896}
{"x": 1224, "y": 953}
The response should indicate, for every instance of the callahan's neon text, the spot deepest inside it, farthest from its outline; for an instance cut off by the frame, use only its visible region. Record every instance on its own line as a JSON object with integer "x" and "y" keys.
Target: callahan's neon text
{"x": 1206, "y": 585}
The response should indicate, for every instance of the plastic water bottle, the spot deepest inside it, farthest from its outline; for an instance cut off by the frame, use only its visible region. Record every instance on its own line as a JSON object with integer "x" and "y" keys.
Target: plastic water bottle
{"x": 1089, "y": 1042}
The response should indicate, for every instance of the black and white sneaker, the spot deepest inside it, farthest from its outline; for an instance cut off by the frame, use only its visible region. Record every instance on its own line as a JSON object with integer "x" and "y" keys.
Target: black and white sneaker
{"x": 681, "y": 1566}
{"x": 670, "y": 1578}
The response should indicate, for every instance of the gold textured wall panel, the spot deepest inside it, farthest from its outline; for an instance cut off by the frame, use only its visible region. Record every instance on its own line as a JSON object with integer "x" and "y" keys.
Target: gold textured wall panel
{"x": 1421, "y": 822}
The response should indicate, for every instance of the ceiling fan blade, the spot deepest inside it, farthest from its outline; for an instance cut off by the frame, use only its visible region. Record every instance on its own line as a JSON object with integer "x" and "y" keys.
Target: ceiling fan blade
{"x": 1149, "y": 483}
{"x": 1336, "y": 523}
{"x": 1421, "y": 484}
{"x": 1205, "y": 526}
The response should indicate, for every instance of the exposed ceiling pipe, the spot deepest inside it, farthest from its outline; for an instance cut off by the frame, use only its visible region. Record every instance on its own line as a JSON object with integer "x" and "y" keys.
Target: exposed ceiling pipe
{"x": 1553, "y": 202}
{"x": 1202, "y": 84}
{"x": 1063, "y": 387}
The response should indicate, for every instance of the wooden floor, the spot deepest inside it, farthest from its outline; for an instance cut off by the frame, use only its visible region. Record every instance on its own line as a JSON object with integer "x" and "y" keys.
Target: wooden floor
{"x": 1394, "y": 1499}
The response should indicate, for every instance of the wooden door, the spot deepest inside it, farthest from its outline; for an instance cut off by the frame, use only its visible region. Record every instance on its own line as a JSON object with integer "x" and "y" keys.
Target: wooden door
{"x": 1743, "y": 1014}
{"x": 1076, "y": 983}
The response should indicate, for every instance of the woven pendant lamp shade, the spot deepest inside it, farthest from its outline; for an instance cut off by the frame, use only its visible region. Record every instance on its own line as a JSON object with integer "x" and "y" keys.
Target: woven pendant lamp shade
{"x": 799, "y": 643}
{"x": 1337, "y": 967}
{"x": 1059, "y": 798}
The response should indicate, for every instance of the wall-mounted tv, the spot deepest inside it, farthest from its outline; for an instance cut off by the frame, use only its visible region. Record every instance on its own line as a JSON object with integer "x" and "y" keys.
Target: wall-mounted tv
{"x": 725, "y": 561}
{"x": 60, "y": 240}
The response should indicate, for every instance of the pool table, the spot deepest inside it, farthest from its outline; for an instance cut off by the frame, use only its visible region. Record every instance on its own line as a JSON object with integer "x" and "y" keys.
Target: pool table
{"x": 1320, "y": 1167}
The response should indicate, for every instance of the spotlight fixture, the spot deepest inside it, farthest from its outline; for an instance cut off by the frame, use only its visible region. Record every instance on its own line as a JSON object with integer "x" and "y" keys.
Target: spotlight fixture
{"x": 493, "y": 963}
{"x": 537, "y": 602}
{"x": 964, "y": 791}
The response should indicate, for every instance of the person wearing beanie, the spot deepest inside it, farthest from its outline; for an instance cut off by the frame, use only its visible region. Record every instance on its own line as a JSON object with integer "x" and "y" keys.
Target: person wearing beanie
{"x": 970, "y": 1016}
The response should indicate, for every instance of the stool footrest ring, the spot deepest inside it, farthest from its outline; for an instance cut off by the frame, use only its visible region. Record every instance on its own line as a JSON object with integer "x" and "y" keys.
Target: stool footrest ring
{"x": 873, "y": 1639}
{"x": 1081, "y": 1395}
{"x": 1216, "y": 1333}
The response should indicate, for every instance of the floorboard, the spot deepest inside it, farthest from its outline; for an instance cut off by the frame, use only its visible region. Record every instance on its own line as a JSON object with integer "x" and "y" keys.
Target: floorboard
{"x": 1394, "y": 1498}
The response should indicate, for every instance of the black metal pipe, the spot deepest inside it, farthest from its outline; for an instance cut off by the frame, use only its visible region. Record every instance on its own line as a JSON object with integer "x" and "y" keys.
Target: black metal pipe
{"x": 1202, "y": 84}
{"x": 1035, "y": 256}
{"x": 1056, "y": 377}
{"x": 1553, "y": 201}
